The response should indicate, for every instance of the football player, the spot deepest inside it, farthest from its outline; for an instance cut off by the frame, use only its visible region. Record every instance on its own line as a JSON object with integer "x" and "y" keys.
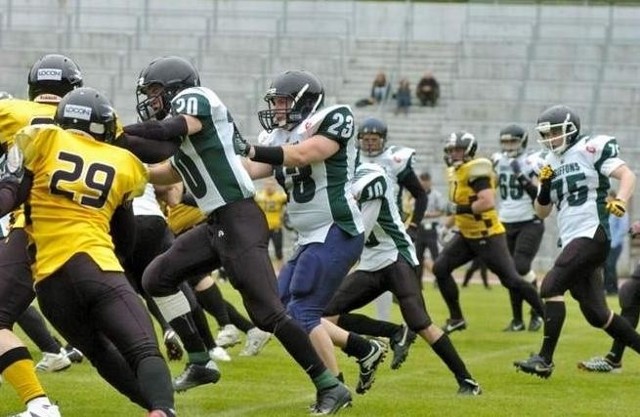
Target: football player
{"x": 50, "y": 78}
{"x": 398, "y": 161}
{"x": 235, "y": 235}
{"x": 518, "y": 186}
{"x": 575, "y": 179}
{"x": 390, "y": 264}
{"x": 273, "y": 201}
{"x": 481, "y": 234}
{"x": 79, "y": 187}
{"x": 311, "y": 151}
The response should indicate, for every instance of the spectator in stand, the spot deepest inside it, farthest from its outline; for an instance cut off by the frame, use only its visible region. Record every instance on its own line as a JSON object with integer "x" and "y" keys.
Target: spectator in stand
{"x": 428, "y": 90}
{"x": 403, "y": 97}
{"x": 619, "y": 227}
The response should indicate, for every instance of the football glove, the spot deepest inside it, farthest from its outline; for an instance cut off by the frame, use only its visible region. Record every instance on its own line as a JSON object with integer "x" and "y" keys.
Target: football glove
{"x": 11, "y": 169}
{"x": 546, "y": 174}
{"x": 617, "y": 207}
{"x": 240, "y": 145}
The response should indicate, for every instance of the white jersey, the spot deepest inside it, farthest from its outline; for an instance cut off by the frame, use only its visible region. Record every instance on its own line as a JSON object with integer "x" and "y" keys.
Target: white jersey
{"x": 397, "y": 162}
{"x": 515, "y": 204}
{"x": 580, "y": 185}
{"x": 385, "y": 233}
{"x": 207, "y": 162}
{"x": 319, "y": 194}
{"x": 146, "y": 204}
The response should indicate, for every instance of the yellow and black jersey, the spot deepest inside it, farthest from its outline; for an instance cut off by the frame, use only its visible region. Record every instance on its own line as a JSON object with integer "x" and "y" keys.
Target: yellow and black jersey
{"x": 182, "y": 217}
{"x": 78, "y": 183}
{"x": 461, "y": 192}
{"x": 16, "y": 114}
{"x": 273, "y": 206}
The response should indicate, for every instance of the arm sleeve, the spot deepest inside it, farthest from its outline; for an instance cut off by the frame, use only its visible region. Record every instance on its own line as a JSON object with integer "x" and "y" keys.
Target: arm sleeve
{"x": 159, "y": 130}
{"x": 123, "y": 230}
{"x": 412, "y": 184}
{"x": 370, "y": 210}
{"x": 12, "y": 194}
{"x": 480, "y": 183}
{"x": 148, "y": 151}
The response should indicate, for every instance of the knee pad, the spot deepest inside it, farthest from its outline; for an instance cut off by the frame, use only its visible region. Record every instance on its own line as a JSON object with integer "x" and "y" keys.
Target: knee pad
{"x": 629, "y": 293}
{"x": 523, "y": 264}
{"x": 595, "y": 316}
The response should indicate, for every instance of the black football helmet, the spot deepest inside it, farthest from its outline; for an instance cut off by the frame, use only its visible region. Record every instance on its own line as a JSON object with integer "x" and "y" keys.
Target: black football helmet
{"x": 305, "y": 93}
{"x": 54, "y": 75}
{"x": 513, "y": 140}
{"x": 460, "y": 140}
{"x": 372, "y": 126}
{"x": 558, "y": 127}
{"x": 173, "y": 74}
{"x": 88, "y": 110}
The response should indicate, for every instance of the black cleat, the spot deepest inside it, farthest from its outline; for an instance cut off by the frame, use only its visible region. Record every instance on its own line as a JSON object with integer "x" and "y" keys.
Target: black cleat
{"x": 73, "y": 354}
{"x": 536, "y": 323}
{"x": 454, "y": 324}
{"x": 400, "y": 343}
{"x": 469, "y": 387}
{"x": 331, "y": 400}
{"x": 173, "y": 346}
{"x": 195, "y": 375}
{"x": 535, "y": 365}
{"x": 514, "y": 326}
{"x": 369, "y": 365}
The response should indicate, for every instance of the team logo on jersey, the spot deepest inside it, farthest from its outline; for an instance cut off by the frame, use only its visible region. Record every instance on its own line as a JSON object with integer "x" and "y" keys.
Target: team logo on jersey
{"x": 74, "y": 111}
{"x": 54, "y": 74}
{"x": 590, "y": 149}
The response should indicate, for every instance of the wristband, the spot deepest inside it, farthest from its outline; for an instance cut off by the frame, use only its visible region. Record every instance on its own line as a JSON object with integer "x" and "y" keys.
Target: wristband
{"x": 273, "y": 155}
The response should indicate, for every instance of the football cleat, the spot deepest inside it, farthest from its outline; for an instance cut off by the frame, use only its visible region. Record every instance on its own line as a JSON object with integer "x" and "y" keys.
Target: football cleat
{"x": 228, "y": 336}
{"x": 400, "y": 343}
{"x": 331, "y": 400}
{"x": 73, "y": 354}
{"x": 535, "y": 365}
{"x": 469, "y": 387}
{"x": 219, "y": 354}
{"x": 536, "y": 323}
{"x": 53, "y": 362}
{"x": 256, "y": 341}
{"x": 369, "y": 365}
{"x": 600, "y": 364}
{"x": 514, "y": 326}
{"x": 40, "y": 410}
{"x": 454, "y": 324}
{"x": 172, "y": 345}
{"x": 195, "y": 375}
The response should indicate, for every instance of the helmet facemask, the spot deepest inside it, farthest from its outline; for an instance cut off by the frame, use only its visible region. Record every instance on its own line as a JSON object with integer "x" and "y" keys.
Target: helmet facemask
{"x": 511, "y": 146}
{"x": 557, "y": 137}
{"x": 154, "y": 101}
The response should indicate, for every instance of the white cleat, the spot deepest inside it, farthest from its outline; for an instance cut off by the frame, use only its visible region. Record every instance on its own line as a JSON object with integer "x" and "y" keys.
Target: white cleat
{"x": 40, "y": 411}
{"x": 219, "y": 354}
{"x": 256, "y": 341}
{"x": 228, "y": 336}
{"x": 53, "y": 362}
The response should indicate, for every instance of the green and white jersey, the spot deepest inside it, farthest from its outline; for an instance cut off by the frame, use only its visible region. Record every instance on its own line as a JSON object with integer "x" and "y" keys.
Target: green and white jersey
{"x": 580, "y": 185}
{"x": 206, "y": 161}
{"x": 515, "y": 204}
{"x": 319, "y": 194}
{"x": 385, "y": 233}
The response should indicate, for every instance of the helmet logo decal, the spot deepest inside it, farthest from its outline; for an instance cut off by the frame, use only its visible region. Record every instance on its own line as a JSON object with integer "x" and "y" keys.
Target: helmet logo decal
{"x": 53, "y": 74}
{"x": 74, "y": 111}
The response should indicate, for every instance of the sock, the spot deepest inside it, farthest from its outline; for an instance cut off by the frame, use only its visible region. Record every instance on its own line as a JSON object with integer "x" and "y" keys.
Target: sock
{"x": 516, "y": 305}
{"x": 204, "y": 330}
{"x": 237, "y": 319}
{"x": 449, "y": 290}
{"x": 185, "y": 327}
{"x": 554, "y": 315}
{"x": 155, "y": 382}
{"x": 362, "y": 324}
{"x": 621, "y": 330}
{"x": 17, "y": 368}
{"x": 630, "y": 314}
{"x": 357, "y": 346}
{"x": 33, "y": 324}
{"x": 212, "y": 302}
{"x": 325, "y": 380}
{"x": 447, "y": 352}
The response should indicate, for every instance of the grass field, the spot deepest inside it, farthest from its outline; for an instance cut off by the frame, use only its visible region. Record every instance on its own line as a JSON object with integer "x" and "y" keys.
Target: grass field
{"x": 272, "y": 385}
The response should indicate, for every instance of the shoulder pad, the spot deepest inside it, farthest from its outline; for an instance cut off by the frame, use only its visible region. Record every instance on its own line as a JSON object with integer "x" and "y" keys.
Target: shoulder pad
{"x": 479, "y": 167}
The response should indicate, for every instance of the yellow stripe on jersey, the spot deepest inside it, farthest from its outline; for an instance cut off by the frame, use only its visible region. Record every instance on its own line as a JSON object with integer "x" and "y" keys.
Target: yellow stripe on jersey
{"x": 78, "y": 183}
{"x": 182, "y": 217}
{"x": 473, "y": 226}
{"x": 272, "y": 205}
